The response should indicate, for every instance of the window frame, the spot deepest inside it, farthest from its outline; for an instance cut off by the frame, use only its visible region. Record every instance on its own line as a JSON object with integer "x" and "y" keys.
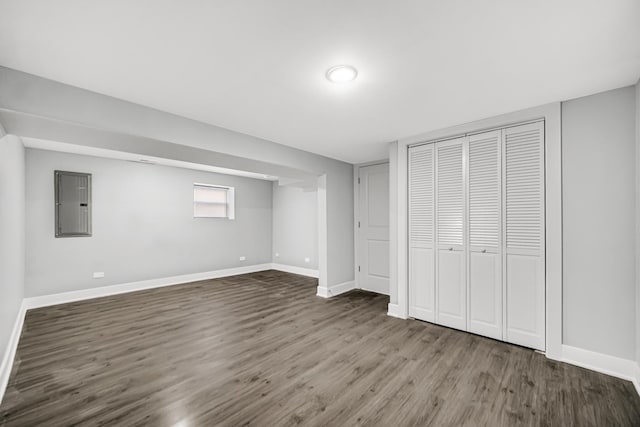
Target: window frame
{"x": 230, "y": 203}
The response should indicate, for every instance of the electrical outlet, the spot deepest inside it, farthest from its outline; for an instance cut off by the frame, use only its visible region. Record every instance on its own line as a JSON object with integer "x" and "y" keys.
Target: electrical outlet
{"x": 307, "y": 260}
{"x": 277, "y": 254}
{"x": 98, "y": 275}
{"x": 243, "y": 258}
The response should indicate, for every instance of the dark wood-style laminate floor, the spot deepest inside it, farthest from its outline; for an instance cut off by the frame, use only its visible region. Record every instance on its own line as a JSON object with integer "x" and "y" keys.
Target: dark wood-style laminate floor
{"x": 261, "y": 349}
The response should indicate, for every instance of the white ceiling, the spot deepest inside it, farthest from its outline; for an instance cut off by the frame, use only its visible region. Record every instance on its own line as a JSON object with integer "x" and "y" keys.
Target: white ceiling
{"x": 258, "y": 66}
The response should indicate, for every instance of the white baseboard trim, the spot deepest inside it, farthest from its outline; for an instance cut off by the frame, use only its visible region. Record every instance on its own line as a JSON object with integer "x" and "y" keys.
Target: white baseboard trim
{"x": 65, "y": 297}
{"x": 393, "y": 310}
{"x": 10, "y": 352}
{"x": 335, "y": 290}
{"x": 603, "y": 363}
{"x": 322, "y": 292}
{"x": 295, "y": 270}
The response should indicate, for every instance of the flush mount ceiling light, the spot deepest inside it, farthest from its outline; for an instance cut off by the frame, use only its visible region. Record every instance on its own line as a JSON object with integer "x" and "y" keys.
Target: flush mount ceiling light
{"x": 342, "y": 74}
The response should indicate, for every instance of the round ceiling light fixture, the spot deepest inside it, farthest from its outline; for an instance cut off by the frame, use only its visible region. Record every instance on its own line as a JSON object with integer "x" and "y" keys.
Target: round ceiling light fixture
{"x": 342, "y": 74}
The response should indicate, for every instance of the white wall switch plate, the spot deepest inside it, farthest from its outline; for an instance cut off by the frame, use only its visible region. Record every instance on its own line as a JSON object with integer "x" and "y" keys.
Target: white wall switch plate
{"x": 307, "y": 260}
{"x": 98, "y": 275}
{"x": 243, "y": 258}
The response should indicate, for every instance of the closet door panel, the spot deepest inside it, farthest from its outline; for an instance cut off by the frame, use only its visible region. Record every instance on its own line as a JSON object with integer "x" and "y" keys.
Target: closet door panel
{"x": 451, "y": 290}
{"x": 523, "y": 173}
{"x": 422, "y": 280}
{"x": 450, "y": 207}
{"x": 485, "y": 294}
{"x": 485, "y": 247}
{"x": 421, "y": 232}
{"x": 525, "y": 302}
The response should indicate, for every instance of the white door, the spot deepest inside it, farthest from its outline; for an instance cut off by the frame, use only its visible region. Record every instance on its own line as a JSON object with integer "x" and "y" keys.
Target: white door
{"x": 523, "y": 193}
{"x": 374, "y": 228}
{"x": 485, "y": 234}
{"x": 421, "y": 236}
{"x": 451, "y": 305}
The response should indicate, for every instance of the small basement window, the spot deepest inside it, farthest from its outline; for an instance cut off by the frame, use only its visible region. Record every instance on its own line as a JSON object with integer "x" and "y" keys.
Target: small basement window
{"x": 213, "y": 201}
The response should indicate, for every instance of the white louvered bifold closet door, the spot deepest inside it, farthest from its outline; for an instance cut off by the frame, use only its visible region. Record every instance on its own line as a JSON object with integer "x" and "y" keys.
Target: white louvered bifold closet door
{"x": 451, "y": 306}
{"x": 421, "y": 232}
{"x": 523, "y": 195}
{"x": 476, "y": 234}
{"x": 485, "y": 229}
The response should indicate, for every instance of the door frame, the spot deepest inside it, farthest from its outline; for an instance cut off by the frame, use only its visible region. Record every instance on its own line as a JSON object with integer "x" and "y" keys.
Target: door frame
{"x": 551, "y": 114}
{"x": 356, "y": 217}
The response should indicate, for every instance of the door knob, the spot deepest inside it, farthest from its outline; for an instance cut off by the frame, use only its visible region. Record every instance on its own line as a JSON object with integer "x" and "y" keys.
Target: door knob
{"x": 450, "y": 249}
{"x": 484, "y": 251}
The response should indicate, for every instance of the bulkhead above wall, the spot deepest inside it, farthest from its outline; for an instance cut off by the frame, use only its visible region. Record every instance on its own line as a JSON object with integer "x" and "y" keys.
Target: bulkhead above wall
{"x": 52, "y": 134}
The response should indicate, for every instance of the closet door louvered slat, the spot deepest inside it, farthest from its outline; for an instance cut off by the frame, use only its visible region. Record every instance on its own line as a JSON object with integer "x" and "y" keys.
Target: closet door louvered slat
{"x": 524, "y": 270}
{"x": 450, "y": 258}
{"x": 421, "y": 232}
{"x": 485, "y": 240}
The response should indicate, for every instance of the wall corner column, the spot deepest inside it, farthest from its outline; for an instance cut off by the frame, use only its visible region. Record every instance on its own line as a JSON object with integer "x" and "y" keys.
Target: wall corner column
{"x": 322, "y": 237}
{"x": 553, "y": 238}
{"x": 393, "y": 228}
{"x": 398, "y": 306}
{"x": 637, "y": 215}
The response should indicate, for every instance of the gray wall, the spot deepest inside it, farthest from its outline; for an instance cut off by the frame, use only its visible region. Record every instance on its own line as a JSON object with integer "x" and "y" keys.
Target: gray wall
{"x": 143, "y": 225}
{"x": 295, "y": 226}
{"x": 598, "y": 172}
{"x": 12, "y": 241}
{"x": 22, "y": 92}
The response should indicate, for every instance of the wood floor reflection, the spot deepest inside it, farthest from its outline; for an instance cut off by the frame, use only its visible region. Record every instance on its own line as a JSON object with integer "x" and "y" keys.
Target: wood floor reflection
{"x": 262, "y": 349}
